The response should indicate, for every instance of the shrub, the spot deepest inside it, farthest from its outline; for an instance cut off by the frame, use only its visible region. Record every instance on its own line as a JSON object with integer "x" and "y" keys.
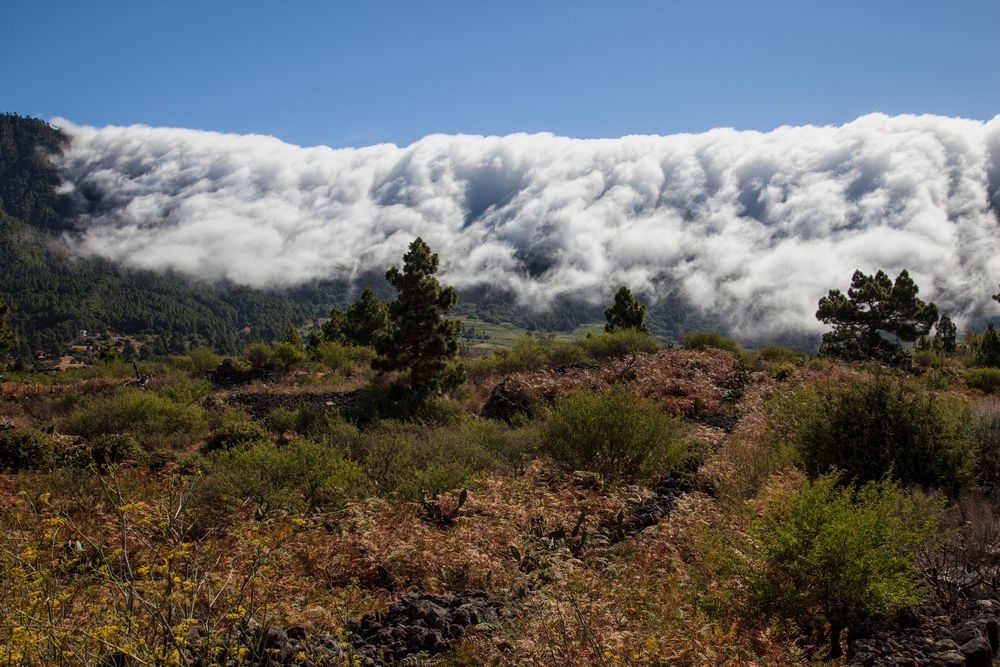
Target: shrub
{"x": 531, "y": 353}
{"x": 111, "y": 449}
{"x": 339, "y": 356}
{"x": 25, "y": 449}
{"x": 986, "y": 380}
{"x": 287, "y": 354}
{"x": 437, "y": 411}
{"x": 259, "y": 355}
{"x": 203, "y": 360}
{"x": 779, "y": 354}
{"x": 700, "y": 340}
{"x": 883, "y": 426}
{"x": 156, "y": 421}
{"x": 281, "y": 419}
{"x": 937, "y": 380}
{"x": 323, "y": 425}
{"x": 926, "y": 359}
{"x": 781, "y": 371}
{"x": 235, "y": 435}
{"x": 616, "y": 434}
{"x": 180, "y": 388}
{"x": 836, "y": 557}
{"x": 619, "y": 344}
{"x": 301, "y": 476}
{"x": 779, "y": 361}
{"x": 568, "y": 355}
{"x": 527, "y": 354}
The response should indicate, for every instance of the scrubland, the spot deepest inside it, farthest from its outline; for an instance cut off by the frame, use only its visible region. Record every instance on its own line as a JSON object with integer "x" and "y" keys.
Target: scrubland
{"x": 617, "y": 502}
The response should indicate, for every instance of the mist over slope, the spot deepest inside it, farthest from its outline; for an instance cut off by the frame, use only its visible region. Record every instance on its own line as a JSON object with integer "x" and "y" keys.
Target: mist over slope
{"x": 751, "y": 227}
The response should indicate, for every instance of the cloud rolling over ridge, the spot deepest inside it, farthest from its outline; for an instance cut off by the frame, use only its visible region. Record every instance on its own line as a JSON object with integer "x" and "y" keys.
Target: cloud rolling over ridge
{"x": 751, "y": 227}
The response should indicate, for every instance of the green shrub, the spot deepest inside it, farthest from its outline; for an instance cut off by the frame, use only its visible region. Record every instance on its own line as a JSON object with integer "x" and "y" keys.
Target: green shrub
{"x": 937, "y": 380}
{"x": 203, "y": 360}
{"x": 926, "y": 359}
{"x": 616, "y": 434}
{"x": 322, "y": 424}
{"x": 339, "y": 356}
{"x": 155, "y": 420}
{"x": 282, "y": 419}
{"x": 301, "y": 476}
{"x": 779, "y": 354}
{"x": 700, "y": 340}
{"x": 837, "y": 558}
{"x": 111, "y": 449}
{"x": 259, "y": 355}
{"x": 984, "y": 379}
{"x": 881, "y": 426}
{"x": 437, "y": 411}
{"x": 568, "y": 355}
{"x": 286, "y": 354}
{"x": 819, "y": 364}
{"x": 527, "y": 354}
{"x": 781, "y": 371}
{"x": 180, "y": 388}
{"x": 236, "y": 435}
{"x": 618, "y": 344}
{"x": 25, "y": 449}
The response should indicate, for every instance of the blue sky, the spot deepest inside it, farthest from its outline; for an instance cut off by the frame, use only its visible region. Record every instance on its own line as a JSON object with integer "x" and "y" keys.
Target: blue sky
{"x": 357, "y": 73}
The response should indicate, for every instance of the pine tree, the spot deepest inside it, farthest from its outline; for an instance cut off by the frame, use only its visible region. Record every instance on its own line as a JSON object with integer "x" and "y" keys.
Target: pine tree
{"x": 333, "y": 329}
{"x": 988, "y": 353}
{"x": 945, "y": 335}
{"x": 293, "y": 338}
{"x": 419, "y": 339}
{"x": 873, "y": 316}
{"x": 626, "y": 313}
{"x": 365, "y": 319}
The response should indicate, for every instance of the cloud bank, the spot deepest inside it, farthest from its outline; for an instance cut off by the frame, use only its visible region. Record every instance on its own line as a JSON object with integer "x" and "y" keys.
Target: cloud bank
{"x": 752, "y": 227}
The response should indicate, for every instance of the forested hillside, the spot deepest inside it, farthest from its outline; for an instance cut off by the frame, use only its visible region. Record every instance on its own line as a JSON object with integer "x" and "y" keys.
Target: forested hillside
{"x": 53, "y": 293}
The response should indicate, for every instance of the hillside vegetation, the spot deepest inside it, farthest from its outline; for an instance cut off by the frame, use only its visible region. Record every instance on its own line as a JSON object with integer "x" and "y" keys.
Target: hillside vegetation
{"x": 616, "y": 503}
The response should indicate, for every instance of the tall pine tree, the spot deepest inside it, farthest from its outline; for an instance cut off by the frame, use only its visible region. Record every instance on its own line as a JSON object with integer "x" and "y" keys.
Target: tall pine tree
{"x": 366, "y": 319}
{"x": 626, "y": 313}
{"x": 873, "y": 317}
{"x": 419, "y": 340}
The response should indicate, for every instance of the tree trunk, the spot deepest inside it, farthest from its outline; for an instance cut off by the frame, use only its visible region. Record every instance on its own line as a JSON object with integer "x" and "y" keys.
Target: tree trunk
{"x": 835, "y": 632}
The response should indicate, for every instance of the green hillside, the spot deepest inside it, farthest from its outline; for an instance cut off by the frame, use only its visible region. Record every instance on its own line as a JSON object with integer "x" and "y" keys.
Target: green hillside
{"x": 53, "y": 293}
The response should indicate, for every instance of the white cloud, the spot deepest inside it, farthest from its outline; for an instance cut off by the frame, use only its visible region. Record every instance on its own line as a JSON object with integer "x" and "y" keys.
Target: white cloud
{"x": 753, "y": 227}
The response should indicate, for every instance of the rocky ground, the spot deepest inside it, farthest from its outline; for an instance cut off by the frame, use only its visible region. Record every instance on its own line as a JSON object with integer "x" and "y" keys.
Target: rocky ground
{"x": 927, "y": 635}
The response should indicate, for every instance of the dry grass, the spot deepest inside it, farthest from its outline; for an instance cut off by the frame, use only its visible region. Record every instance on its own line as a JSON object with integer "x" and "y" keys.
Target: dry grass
{"x": 686, "y": 383}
